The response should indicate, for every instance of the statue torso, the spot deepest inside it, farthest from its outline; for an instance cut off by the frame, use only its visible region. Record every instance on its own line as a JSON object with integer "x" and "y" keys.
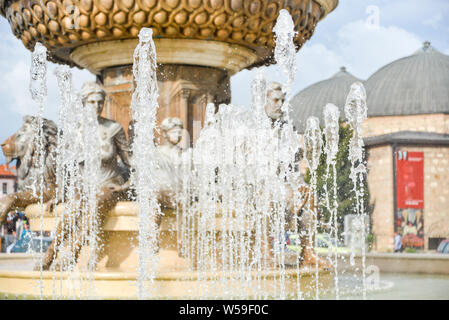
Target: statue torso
{"x": 108, "y": 129}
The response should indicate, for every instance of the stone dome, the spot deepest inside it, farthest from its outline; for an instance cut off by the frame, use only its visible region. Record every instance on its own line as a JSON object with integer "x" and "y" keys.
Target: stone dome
{"x": 417, "y": 84}
{"x": 311, "y": 100}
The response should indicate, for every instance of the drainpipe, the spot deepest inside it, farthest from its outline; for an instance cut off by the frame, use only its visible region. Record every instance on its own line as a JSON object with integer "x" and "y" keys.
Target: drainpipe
{"x": 395, "y": 200}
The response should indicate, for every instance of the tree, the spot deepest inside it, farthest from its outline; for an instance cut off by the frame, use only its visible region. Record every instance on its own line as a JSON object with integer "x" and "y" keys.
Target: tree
{"x": 345, "y": 194}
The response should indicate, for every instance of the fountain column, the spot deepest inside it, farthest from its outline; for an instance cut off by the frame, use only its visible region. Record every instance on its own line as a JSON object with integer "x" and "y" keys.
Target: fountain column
{"x": 189, "y": 77}
{"x": 184, "y": 93}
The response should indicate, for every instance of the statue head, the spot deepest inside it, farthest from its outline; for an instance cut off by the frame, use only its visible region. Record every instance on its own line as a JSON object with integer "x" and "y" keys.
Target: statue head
{"x": 172, "y": 130}
{"x": 275, "y": 100}
{"x": 93, "y": 95}
{"x": 21, "y": 146}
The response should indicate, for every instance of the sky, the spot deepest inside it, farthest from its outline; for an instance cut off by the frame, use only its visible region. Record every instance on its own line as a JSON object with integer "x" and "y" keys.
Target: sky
{"x": 362, "y": 35}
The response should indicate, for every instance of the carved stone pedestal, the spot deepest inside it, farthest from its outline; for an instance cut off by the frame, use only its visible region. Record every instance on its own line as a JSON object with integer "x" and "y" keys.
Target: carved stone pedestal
{"x": 184, "y": 92}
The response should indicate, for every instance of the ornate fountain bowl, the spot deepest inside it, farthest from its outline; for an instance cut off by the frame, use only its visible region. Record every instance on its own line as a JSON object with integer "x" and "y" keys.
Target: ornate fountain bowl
{"x": 63, "y": 26}
{"x": 200, "y": 44}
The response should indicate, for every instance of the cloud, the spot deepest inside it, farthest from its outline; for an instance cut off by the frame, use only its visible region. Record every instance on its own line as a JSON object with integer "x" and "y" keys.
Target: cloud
{"x": 414, "y": 12}
{"x": 14, "y": 88}
{"x": 360, "y": 47}
{"x": 433, "y": 21}
{"x": 15, "y": 78}
{"x": 16, "y": 100}
{"x": 365, "y": 49}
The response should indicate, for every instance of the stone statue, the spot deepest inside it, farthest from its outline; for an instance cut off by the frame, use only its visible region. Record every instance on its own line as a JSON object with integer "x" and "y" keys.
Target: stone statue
{"x": 113, "y": 145}
{"x": 113, "y": 182}
{"x": 21, "y": 147}
{"x": 168, "y": 161}
{"x": 168, "y": 171}
{"x": 273, "y": 109}
{"x": 113, "y": 140}
{"x": 275, "y": 100}
{"x": 172, "y": 134}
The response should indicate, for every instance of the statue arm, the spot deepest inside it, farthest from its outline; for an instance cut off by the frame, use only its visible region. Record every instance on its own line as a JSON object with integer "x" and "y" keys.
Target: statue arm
{"x": 123, "y": 147}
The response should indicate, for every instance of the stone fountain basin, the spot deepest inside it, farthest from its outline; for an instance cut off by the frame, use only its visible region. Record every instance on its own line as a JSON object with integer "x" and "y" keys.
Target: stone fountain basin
{"x": 166, "y": 285}
{"x": 116, "y": 276}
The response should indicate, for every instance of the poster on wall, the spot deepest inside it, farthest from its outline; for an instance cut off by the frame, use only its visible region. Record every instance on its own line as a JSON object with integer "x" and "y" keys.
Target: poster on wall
{"x": 409, "y": 222}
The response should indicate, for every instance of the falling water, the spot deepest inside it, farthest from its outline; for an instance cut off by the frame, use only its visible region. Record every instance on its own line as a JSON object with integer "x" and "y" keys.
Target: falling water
{"x": 67, "y": 169}
{"x": 38, "y": 89}
{"x": 285, "y": 52}
{"x": 312, "y": 146}
{"x": 77, "y": 178}
{"x": 289, "y": 142}
{"x": 237, "y": 184}
{"x": 144, "y": 105}
{"x": 90, "y": 190}
{"x": 242, "y": 177}
{"x": 356, "y": 113}
{"x": 331, "y": 127}
{"x": 240, "y": 195}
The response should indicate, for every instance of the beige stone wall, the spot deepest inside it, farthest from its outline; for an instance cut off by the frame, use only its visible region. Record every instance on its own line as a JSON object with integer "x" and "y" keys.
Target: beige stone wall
{"x": 380, "y": 178}
{"x": 380, "y": 184}
{"x": 374, "y": 126}
{"x": 436, "y": 193}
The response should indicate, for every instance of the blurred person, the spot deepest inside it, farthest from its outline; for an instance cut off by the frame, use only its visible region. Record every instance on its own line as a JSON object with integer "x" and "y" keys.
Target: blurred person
{"x": 397, "y": 242}
{"x": 10, "y": 230}
{"x": 24, "y": 241}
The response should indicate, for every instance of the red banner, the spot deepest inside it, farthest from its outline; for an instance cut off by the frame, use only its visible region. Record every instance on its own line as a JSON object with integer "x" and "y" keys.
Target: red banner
{"x": 410, "y": 180}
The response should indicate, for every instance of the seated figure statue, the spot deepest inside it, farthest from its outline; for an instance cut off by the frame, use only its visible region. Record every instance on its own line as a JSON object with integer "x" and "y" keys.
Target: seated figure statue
{"x": 172, "y": 134}
{"x": 168, "y": 173}
{"x": 113, "y": 145}
{"x": 113, "y": 142}
{"x": 273, "y": 109}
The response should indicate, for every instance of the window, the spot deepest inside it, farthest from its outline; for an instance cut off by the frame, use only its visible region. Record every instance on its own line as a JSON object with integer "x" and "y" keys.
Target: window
{"x": 5, "y": 188}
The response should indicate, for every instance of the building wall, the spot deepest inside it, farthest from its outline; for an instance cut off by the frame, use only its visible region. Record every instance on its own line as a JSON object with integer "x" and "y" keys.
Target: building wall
{"x": 380, "y": 184}
{"x": 374, "y": 126}
{"x": 10, "y": 186}
{"x": 436, "y": 193}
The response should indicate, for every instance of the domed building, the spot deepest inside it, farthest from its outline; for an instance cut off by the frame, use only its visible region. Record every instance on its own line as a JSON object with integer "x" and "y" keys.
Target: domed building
{"x": 407, "y": 140}
{"x": 411, "y": 93}
{"x": 311, "y": 101}
{"x": 407, "y": 137}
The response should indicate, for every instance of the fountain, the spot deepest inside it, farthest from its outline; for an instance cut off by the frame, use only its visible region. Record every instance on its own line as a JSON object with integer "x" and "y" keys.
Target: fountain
{"x": 221, "y": 233}
{"x": 199, "y": 44}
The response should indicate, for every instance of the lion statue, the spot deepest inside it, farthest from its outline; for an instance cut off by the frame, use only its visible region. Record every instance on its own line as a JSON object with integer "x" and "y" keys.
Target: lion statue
{"x": 20, "y": 147}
